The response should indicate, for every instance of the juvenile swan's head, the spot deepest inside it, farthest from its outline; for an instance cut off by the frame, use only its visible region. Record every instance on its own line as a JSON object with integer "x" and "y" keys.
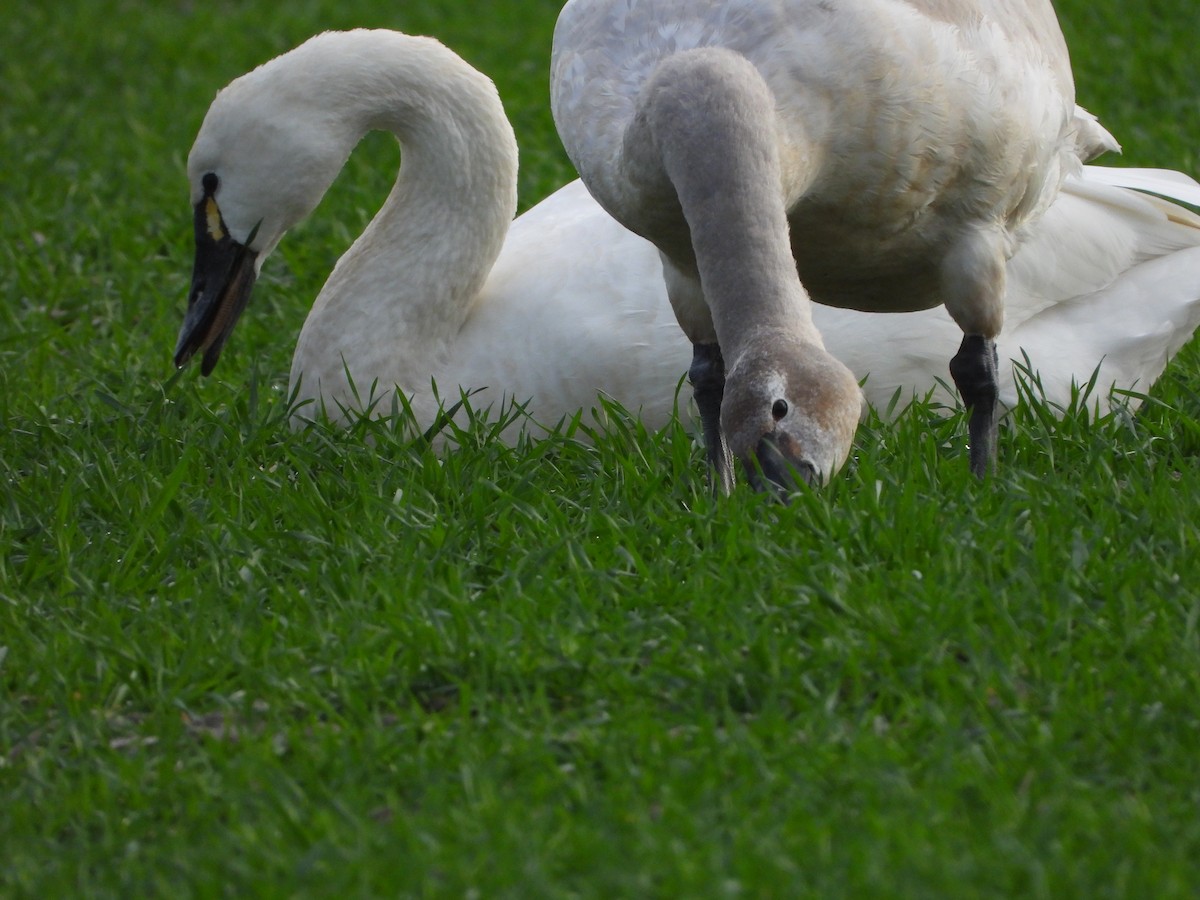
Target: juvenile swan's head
{"x": 789, "y": 413}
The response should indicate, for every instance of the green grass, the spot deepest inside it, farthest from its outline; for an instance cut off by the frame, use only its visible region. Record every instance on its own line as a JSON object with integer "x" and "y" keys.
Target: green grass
{"x": 236, "y": 660}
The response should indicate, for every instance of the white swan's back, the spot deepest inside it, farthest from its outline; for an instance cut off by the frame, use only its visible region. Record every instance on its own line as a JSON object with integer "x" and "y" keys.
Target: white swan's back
{"x": 581, "y": 302}
{"x": 1109, "y": 280}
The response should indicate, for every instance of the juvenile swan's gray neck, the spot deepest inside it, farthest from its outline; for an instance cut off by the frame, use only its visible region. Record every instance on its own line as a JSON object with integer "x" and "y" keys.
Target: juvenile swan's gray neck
{"x": 702, "y": 146}
{"x": 702, "y": 143}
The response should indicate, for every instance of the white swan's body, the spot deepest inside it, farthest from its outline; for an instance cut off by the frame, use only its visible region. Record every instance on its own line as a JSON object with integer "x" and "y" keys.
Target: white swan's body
{"x": 883, "y": 155}
{"x": 575, "y": 305}
{"x": 1107, "y": 284}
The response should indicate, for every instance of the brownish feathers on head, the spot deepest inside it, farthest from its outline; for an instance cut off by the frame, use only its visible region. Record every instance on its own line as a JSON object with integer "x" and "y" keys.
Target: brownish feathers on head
{"x": 790, "y": 412}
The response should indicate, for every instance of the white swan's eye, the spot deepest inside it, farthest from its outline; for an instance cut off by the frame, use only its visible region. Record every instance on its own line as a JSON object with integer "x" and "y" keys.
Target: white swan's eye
{"x": 779, "y": 409}
{"x": 210, "y": 182}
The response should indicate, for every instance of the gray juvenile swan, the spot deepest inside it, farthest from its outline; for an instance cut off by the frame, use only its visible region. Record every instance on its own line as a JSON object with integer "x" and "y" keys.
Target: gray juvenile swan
{"x": 883, "y": 155}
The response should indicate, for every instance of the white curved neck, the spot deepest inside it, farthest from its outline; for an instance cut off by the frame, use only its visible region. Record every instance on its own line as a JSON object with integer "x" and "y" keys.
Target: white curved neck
{"x": 401, "y": 293}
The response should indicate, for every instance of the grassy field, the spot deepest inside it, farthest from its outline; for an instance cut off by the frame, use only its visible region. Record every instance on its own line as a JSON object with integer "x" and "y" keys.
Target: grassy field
{"x": 239, "y": 661}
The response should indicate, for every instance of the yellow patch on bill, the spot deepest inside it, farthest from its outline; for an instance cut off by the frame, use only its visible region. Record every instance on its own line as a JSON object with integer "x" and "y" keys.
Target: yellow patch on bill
{"x": 213, "y": 214}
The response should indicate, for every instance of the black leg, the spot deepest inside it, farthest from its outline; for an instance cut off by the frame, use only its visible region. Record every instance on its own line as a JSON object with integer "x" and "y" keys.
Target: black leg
{"x": 974, "y": 369}
{"x": 707, "y": 376}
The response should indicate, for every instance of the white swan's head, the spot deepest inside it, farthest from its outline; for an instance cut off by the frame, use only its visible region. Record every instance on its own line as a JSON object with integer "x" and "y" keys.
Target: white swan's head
{"x": 789, "y": 413}
{"x": 274, "y": 140}
{"x": 265, "y": 155}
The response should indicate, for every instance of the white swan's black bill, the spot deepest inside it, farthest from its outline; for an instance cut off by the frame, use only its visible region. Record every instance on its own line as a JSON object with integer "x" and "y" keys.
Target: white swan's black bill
{"x": 223, "y": 276}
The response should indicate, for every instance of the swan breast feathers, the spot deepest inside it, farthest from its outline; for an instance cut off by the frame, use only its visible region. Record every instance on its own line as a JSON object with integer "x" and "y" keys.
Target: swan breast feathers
{"x": 953, "y": 113}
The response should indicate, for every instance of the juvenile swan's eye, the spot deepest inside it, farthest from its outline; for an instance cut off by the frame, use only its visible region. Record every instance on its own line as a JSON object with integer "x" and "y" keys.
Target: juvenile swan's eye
{"x": 779, "y": 409}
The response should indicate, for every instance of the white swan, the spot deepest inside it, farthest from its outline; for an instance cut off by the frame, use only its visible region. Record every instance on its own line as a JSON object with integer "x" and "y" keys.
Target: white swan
{"x": 575, "y": 304}
{"x": 417, "y": 298}
{"x": 896, "y": 152}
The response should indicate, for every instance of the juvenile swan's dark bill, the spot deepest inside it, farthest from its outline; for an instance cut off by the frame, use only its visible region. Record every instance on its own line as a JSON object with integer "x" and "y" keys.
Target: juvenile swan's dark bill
{"x": 773, "y": 471}
{"x": 223, "y": 277}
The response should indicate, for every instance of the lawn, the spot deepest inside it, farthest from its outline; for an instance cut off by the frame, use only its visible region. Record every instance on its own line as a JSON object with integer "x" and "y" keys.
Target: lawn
{"x": 236, "y": 660}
